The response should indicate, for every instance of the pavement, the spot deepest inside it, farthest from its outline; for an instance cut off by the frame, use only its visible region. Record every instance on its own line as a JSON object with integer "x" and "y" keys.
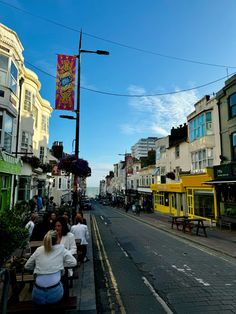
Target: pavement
{"x": 218, "y": 241}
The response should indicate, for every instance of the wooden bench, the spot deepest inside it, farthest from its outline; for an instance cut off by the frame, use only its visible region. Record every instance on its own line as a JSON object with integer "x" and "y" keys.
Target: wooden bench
{"x": 22, "y": 307}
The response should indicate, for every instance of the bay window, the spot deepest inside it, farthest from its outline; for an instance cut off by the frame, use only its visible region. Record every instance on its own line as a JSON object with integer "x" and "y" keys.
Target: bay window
{"x": 3, "y": 69}
{"x": 8, "y": 73}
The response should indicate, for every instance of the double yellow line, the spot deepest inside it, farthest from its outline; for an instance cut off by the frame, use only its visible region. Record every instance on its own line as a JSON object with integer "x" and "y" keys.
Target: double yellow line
{"x": 107, "y": 270}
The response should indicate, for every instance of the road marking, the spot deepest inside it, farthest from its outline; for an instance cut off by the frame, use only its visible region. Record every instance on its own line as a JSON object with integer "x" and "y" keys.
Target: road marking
{"x": 126, "y": 254}
{"x": 102, "y": 217}
{"x": 156, "y": 295}
{"x": 104, "y": 259}
{"x": 186, "y": 270}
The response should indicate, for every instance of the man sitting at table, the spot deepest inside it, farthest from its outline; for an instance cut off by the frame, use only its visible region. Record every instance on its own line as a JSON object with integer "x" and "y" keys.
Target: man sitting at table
{"x": 48, "y": 263}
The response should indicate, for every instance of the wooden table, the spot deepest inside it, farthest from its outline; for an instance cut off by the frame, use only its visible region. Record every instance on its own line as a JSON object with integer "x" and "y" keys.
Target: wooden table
{"x": 178, "y": 221}
{"x": 191, "y": 223}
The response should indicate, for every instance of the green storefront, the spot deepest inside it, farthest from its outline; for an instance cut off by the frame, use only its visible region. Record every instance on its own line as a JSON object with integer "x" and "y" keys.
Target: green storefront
{"x": 9, "y": 166}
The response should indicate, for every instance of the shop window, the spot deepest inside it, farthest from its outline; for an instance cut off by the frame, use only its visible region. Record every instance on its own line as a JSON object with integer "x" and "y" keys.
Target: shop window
{"x": 204, "y": 203}
{"x": 160, "y": 198}
{"x": 24, "y": 188}
{"x": 232, "y": 105}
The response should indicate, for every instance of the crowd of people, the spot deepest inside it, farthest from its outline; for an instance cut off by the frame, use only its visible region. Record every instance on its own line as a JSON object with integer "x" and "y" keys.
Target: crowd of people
{"x": 64, "y": 245}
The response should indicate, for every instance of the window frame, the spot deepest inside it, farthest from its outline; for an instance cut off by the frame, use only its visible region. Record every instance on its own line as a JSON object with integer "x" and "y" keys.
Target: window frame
{"x": 6, "y": 133}
{"x": 41, "y": 153}
{"x": 28, "y": 100}
{"x": 4, "y": 70}
{"x": 26, "y": 144}
{"x": 232, "y": 107}
{"x": 233, "y": 146}
{"x": 200, "y": 126}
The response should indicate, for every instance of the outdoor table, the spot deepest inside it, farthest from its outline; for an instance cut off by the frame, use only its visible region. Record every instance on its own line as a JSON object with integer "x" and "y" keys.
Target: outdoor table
{"x": 177, "y": 220}
{"x": 190, "y": 223}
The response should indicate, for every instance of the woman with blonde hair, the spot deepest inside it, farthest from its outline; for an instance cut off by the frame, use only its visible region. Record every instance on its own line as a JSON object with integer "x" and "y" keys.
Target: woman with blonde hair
{"x": 48, "y": 263}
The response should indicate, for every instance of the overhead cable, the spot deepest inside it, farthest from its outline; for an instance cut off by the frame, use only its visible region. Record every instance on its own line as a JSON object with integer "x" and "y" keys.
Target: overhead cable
{"x": 138, "y": 95}
{"x": 118, "y": 43}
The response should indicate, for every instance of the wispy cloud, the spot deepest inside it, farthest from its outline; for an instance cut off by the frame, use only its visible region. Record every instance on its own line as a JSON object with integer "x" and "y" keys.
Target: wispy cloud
{"x": 99, "y": 171}
{"x": 158, "y": 114}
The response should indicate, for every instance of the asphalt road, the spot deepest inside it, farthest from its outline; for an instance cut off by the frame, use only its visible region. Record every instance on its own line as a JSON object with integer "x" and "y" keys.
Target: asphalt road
{"x": 145, "y": 270}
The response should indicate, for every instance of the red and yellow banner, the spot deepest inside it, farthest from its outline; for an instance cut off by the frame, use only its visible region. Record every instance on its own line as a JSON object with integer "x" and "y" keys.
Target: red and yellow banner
{"x": 129, "y": 164}
{"x": 65, "y": 82}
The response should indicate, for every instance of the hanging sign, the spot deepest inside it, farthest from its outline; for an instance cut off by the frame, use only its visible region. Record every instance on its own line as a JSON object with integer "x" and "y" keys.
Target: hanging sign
{"x": 65, "y": 82}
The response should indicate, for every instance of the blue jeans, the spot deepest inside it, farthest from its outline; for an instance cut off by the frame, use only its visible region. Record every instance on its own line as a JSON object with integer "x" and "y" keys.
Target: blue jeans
{"x": 47, "y": 296}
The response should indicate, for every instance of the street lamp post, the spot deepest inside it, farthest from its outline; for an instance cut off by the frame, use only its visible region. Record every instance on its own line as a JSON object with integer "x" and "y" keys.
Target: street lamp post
{"x": 77, "y": 111}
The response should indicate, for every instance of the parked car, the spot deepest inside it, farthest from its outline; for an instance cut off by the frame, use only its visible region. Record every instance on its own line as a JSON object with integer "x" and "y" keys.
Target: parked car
{"x": 106, "y": 202}
{"x": 86, "y": 204}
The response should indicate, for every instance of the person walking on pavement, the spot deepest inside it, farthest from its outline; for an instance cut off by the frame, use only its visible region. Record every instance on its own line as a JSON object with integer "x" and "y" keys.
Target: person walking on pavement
{"x": 81, "y": 234}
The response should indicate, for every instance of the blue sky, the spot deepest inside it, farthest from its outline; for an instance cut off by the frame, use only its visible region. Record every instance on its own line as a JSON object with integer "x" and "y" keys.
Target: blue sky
{"x": 147, "y": 41}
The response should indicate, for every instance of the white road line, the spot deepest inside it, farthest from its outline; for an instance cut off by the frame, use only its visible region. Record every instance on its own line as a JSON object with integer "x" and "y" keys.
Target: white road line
{"x": 102, "y": 217}
{"x": 156, "y": 295}
{"x": 126, "y": 254}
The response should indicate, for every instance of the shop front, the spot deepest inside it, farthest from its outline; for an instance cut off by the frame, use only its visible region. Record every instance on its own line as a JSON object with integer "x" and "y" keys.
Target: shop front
{"x": 201, "y": 197}
{"x": 145, "y": 199}
{"x": 169, "y": 198}
{"x": 225, "y": 187}
{"x": 9, "y": 167}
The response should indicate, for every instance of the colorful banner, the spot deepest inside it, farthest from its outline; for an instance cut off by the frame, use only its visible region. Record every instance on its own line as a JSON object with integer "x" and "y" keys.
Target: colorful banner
{"x": 129, "y": 164}
{"x": 65, "y": 82}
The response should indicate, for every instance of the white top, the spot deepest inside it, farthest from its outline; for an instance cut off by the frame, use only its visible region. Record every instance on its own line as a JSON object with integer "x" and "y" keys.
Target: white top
{"x": 81, "y": 233}
{"x": 56, "y": 260}
{"x": 30, "y": 227}
{"x": 69, "y": 243}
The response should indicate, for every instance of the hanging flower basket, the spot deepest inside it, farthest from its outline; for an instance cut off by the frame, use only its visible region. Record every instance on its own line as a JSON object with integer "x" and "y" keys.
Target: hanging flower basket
{"x": 75, "y": 166}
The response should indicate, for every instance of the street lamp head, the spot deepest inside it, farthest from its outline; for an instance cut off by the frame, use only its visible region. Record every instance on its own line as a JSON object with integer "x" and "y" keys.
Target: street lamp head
{"x": 103, "y": 52}
{"x": 67, "y": 117}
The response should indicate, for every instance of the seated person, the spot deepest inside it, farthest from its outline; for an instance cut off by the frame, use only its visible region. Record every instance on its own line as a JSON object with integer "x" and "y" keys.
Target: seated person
{"x": 48, "y": 263}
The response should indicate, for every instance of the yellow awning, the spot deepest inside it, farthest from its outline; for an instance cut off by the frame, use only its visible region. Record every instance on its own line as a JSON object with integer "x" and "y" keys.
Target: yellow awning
{"x": 168, "y": 187}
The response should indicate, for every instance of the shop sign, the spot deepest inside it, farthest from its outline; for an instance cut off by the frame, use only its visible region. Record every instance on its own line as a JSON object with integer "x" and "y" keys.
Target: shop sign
{"x": 9, "y": 164}
{"x": 222, "y": 171}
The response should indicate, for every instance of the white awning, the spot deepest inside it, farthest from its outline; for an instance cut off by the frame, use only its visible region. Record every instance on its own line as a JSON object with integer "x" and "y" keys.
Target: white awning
{"x": 145, "y": 190}
{"x": 220, "y": 182}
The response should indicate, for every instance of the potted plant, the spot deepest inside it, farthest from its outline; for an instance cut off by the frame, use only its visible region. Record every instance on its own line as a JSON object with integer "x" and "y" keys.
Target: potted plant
{"x": 13, "y": 234}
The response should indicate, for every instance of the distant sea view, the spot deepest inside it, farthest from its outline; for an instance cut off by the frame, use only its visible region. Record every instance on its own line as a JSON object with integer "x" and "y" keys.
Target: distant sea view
{"x": 92, "y": 191}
